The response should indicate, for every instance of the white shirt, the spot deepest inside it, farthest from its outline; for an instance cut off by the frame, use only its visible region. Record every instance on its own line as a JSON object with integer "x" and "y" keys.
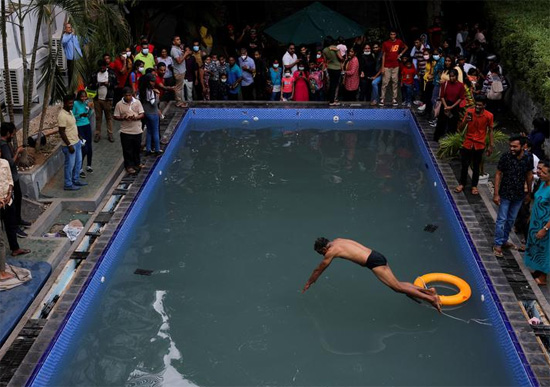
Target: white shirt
{"x": 102, "y": 90}
{"x": 289, "y": 59}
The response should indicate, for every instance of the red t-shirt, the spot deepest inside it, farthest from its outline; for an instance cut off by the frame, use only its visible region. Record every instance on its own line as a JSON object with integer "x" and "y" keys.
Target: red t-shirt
{"x": 407, "y": 75}
{"x": 477, "y": 129}
{"x": 392, "y": 50}
{"x": 159, "y": 82}
{"x": 118, "y": 66}
{"x": 452, "y": 92}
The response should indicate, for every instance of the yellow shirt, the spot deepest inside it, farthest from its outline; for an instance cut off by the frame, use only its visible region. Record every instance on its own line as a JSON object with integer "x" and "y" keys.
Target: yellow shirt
{"x": 66, "y": 120}
{"x": 206, "y": 37}
{"x": 5, "y": 179}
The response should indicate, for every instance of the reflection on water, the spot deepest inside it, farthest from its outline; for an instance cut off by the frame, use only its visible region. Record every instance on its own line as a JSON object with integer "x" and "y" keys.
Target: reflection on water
{"x": 229, "y": 235}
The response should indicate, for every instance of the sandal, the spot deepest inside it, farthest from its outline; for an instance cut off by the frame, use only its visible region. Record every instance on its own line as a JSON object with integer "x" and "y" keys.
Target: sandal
{"x": 498, "y": 252}
{"x": 15, "y": 253}
{"x": 475, "y": 191}
{"x": 540, "y": 282}
{"x": 509, "y": 245}
{"x": 459, "y": 189}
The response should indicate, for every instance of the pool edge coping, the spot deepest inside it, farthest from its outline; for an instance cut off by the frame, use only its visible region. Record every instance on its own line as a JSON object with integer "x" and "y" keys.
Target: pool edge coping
{"x": 51, "y": 333}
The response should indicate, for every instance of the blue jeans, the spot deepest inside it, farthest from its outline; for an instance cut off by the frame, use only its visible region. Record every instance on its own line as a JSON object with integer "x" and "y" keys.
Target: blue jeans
{"x": 73, "y": 164}
{"x": 275, "y": 96}
{"x": 407, "y": 91}
{"x": 507, "y": 213}
{"x": 152, "y": 122}
{"x": 375, "y": 92}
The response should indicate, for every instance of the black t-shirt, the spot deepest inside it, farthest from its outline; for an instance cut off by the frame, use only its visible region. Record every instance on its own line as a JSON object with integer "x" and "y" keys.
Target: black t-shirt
{"x": 7, "y": 153}
{"x": 514, "y": 174}
{"x": 367, "y": 64}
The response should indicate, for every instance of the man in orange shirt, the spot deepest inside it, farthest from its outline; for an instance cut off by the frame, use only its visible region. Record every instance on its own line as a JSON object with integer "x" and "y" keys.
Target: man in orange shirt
{"x": 480, "y": 122}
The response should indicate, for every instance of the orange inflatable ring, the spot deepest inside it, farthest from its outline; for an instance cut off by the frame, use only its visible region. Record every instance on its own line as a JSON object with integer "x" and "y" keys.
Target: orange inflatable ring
{"x": 464, "y": 289}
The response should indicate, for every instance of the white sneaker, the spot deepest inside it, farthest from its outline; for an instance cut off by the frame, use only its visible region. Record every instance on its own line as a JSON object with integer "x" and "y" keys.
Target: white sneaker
{"x": 422, "y": 107}
{"x": 394, "y": 102}
{"x": 433, "y": 124}
{"x": 418, "y": 102}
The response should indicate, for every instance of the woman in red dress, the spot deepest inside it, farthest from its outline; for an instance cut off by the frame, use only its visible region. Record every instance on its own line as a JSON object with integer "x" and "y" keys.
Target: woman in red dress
{"x": 301, "y": 84}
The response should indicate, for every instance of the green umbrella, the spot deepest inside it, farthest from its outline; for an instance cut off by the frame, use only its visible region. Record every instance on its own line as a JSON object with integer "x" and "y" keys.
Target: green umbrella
{"x": 313, "y": 24}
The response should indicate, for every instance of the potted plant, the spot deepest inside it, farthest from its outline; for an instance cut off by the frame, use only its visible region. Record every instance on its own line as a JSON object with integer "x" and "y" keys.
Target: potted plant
{"x": 449, "y": 148}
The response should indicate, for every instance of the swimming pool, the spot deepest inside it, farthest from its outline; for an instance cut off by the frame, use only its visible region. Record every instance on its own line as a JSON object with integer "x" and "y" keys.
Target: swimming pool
{"x": 227, "y": 222}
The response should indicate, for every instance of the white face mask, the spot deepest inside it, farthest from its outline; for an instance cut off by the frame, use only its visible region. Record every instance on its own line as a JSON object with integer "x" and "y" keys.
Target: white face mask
{"x": 287, "y": 75}
{"x": 124, "y": 56}
{"x": 318, "y": 56}
{"x": 301, "y": 68}
{"x": 426, "y": 57}
{"x": 224, "y": 80}
{"x": 275, "y": 65}
{"x": 243, "y": 57}
{"x": 145, "y": 51}
{"x": 142, "y": 70}
{"x": 436, "y": 57}
{"x": 366, "y": 52}
{"x": 128, "y": 54}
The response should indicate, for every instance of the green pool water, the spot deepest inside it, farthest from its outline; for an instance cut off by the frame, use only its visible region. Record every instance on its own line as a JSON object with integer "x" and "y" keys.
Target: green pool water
{"x": 229, "y": 234}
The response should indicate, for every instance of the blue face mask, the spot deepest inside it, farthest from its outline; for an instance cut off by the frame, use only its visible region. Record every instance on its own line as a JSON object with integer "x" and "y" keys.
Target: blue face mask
{"x": 436, "y": 57}
{"x": 195, "y": 48}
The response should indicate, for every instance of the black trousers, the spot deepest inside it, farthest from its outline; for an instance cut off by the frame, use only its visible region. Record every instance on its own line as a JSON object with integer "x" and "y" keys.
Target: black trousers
{"x": 11, "y": 225}
{"x": 17, "y": 201}
{"x": 131, "y": 146}
{"x": 334, "y": 80}
{"x": 248, "y": 92}
{"x": 349, "y": 95}
{"x": 214, "y": 87}
{"x": 446, "y": 124}
{"x": 365, "y": 89}
{"x": 474, "y": 157}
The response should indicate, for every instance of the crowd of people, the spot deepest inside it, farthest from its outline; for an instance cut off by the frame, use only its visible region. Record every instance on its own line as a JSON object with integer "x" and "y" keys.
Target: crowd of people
{"x": 455, "y": 82}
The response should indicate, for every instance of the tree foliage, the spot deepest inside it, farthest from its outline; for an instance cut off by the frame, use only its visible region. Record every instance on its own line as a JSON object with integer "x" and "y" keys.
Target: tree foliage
{"x": 521, "y": 33}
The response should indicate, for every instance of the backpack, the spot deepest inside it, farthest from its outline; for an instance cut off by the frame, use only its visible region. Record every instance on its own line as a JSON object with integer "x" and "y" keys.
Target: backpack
{"x": 496, "y": 89}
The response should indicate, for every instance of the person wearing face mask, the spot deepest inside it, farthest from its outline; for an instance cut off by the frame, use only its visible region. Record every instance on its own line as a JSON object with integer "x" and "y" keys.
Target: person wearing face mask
{"x": 287, "y": 86}
{"x": 248, "y": 68}
{"x": 137, "y": 72}
{"x": 146, "y": 57}
{"x": 104, "y": 81}
{"x": 427, "y": 83}
{"x": 223, "y": 90}
{"x": 367, "y": 72}
{"x": 275, "y": 81}
{"x": 301, "y": 84}
{"x": 197, "y": 52}
{"x": 438, "y": 66}
{"x": 143, "y": 41}
{"x": 478, "y": 123}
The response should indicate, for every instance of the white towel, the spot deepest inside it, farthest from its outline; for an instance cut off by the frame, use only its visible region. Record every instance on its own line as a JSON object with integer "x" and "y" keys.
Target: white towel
{"x": 20, "y": 276}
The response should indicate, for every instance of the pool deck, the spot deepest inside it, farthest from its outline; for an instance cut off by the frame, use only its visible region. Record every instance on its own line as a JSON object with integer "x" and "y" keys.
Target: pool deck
{"x": 25, "y": 346}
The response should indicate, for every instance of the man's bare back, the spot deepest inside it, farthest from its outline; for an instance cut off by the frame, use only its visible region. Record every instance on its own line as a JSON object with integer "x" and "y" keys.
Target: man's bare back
{"x": 364, "y": 256}
{"x": 348, "y": 249}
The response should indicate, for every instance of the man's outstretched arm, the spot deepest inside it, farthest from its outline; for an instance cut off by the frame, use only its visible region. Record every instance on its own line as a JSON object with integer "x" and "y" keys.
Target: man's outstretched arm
{"x": 317, "y": 272}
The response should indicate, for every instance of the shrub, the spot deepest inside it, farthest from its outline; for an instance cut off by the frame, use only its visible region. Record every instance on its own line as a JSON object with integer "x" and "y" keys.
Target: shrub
{"x": 521, "y": 34}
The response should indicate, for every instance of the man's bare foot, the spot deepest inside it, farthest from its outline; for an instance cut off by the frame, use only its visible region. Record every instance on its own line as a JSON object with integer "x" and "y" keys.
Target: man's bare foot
{"x": 4, "y": 275}
{"x": 437, "y": 303}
